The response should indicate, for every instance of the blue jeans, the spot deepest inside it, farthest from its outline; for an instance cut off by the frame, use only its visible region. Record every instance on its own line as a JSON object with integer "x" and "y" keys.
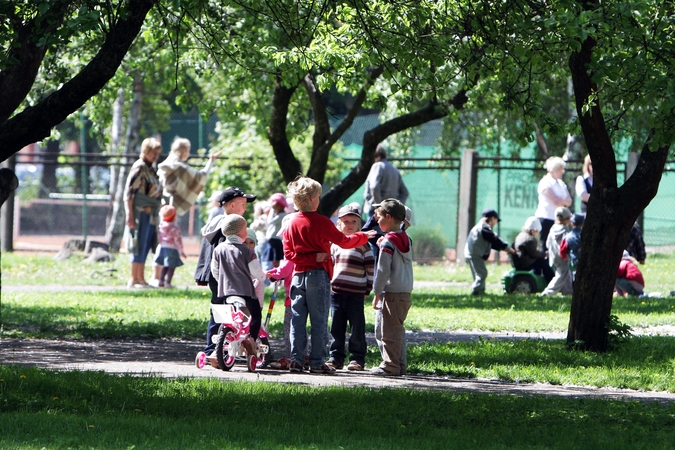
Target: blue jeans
{"x": 310, "y": 295}
{"x": 347, "y": 308}
{"x": 146, "y": 234}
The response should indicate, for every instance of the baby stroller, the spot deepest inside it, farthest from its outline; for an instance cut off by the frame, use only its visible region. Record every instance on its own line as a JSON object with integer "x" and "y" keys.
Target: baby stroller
{"x": 233, "y": 340}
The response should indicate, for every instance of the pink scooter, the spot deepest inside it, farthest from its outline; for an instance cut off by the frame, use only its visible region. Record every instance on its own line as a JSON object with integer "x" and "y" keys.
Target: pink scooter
{"x": 233, "y": 340}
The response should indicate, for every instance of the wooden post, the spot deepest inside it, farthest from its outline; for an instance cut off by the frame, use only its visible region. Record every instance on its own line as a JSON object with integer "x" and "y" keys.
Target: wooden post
{"x": 466, "y": 215}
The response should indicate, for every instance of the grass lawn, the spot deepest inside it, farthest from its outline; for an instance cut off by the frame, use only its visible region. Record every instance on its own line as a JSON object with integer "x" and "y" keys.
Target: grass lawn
{"x": 43, "y": 409}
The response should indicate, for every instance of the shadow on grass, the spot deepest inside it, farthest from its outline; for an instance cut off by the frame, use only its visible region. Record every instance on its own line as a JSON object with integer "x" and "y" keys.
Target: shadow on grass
{"x": 414, "y": 419}
{"x": 426, "y": 299}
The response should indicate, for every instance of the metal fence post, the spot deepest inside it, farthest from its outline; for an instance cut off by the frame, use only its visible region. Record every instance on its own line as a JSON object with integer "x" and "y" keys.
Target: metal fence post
{"x": 466, "y": 214}
{"x": 7, "y": 213}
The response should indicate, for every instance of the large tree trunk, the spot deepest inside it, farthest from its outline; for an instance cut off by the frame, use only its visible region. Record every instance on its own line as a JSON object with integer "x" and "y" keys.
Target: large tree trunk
{"x": 113, "y": 234}
{"x": 612, "y": 210}
{"x": 116, "y": 138}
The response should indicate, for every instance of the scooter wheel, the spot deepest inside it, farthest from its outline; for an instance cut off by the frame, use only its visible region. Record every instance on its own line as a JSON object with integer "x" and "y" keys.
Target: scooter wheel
{"x": 200, "y": 360}
{"x": 251, "y": 362}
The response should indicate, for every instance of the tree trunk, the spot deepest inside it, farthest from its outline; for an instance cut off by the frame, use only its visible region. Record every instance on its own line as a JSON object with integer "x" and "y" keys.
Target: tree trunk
{"x": 288, "y": 164}
{"x": 116, "y": 137}
{"x": 612, "y": 210}
{"x": 115, "y": 230}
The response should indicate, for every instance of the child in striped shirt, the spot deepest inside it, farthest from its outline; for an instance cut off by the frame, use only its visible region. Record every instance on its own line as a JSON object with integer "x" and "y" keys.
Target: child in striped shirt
{"x": 352, "y": 282}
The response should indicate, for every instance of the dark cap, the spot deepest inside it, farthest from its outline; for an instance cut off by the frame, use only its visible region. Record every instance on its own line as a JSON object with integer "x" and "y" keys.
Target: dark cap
{"x": 233, "y": 192}
{"x": 393, "y": 207}
{"x": 578, "y": 220}
{"x": 487, "y": 213}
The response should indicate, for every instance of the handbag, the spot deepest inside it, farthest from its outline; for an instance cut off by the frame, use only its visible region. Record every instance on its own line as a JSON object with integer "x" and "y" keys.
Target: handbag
{"x": 131, "y": 240}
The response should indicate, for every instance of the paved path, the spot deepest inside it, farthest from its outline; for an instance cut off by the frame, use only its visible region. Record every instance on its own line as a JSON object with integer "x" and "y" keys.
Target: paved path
{"x": 174, "y": 359}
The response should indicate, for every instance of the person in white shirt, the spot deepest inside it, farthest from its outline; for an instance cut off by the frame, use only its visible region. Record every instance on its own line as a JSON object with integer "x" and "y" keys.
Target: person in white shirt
{"x": 553, "y": 194}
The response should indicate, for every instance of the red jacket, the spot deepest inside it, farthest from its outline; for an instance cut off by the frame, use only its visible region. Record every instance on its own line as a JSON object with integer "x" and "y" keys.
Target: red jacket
{"x": 310, "y": 233}
{"x": 630, "y": 272}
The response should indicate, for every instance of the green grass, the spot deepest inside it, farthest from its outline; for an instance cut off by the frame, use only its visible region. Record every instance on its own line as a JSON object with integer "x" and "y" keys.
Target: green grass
{"x": 642, "y": 363}
{"x": 646, "y": 363}
{"x": 45, "y": 409}
{"x": 40, "y": 269}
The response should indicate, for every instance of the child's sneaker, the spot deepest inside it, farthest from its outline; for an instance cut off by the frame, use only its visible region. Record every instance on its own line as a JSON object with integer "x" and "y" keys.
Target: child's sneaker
{"x": 334, "y": 364}
{"x": 296, "y": 367}
{"x": 353, "y": 365}
{"x": 282, "y": 364}
{"x": 323, "y": 369}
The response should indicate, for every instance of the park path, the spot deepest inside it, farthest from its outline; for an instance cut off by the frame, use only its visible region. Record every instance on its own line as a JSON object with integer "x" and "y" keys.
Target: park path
{"x": 174, "y": 359}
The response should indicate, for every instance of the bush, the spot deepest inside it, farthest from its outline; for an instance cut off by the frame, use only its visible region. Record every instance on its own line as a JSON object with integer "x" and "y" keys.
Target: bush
{"x": 428, "y": 243}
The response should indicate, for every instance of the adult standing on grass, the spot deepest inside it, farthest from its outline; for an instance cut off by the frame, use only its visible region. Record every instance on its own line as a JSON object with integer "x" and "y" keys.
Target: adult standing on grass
{"x": 552, "y": 194}
{"x": 142, "y": 199}
{"x": 182, "y": 183}
{"x": 584, "y": 183}
{"x": 384, "y": 181}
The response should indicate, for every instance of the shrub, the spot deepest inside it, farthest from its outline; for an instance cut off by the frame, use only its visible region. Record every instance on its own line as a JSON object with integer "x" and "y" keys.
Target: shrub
{"x": 428, "y": 243}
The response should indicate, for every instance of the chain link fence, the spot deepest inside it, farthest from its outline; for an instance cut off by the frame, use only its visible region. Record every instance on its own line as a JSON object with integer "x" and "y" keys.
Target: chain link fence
{"x": 54, "y": 204}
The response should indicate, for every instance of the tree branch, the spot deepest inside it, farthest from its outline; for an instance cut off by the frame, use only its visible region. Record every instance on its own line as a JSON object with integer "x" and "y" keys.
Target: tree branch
{"x": 35, "y": 123}
{"x": 17, "y": 79}
{"x": 276, "y": 133}
{"x": 321, "y": 153}
{"x": 357, "y": 176}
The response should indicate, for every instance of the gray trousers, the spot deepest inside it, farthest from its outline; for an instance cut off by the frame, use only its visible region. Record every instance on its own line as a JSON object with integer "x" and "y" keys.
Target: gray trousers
{"x": 479, "y": 272}
{"x": 562, "y": 281}
{"x": 380, "y": 344}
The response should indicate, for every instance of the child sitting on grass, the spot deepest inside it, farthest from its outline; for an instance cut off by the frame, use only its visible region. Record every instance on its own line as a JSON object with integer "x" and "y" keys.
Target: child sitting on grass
{"x": 562, "y": 280}
{"x": 629, "y": 279}
{"x": 170, "y": 246}
{"x": 235, "y": 266}
{"x": 307, "y": 244}
{"x": 351, "y": 283}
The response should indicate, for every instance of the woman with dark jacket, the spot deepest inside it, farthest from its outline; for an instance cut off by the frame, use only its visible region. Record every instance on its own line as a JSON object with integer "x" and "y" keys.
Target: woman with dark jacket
{"x": 528, "y": 255}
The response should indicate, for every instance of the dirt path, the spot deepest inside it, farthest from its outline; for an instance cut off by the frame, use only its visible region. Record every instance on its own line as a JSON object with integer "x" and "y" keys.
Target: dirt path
{"x": 174, "y": 359}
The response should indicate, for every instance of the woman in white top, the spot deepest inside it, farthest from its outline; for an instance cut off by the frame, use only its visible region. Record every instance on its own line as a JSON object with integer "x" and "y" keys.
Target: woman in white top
{"x": 585, "y": 183}
{"x": 552, "y": 194}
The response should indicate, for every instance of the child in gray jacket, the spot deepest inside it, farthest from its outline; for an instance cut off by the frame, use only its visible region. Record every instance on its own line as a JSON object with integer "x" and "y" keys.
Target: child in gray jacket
{"x": 393, "y": 285}
{"x": 478, "y": 245}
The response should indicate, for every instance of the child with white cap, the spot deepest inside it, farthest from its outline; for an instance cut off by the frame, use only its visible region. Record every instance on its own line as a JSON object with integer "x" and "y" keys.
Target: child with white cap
{"x": 352, "y": 281}
{"x": 562, "y": 281}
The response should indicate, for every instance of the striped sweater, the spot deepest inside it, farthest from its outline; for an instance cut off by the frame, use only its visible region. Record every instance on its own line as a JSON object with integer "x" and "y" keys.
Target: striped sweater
{"x": 354, "y": 269}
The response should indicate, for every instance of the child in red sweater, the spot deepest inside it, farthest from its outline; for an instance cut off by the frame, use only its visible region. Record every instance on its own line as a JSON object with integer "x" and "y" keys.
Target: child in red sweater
{"x": 629, "y": 280}
{"x": 307, "y": 244}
